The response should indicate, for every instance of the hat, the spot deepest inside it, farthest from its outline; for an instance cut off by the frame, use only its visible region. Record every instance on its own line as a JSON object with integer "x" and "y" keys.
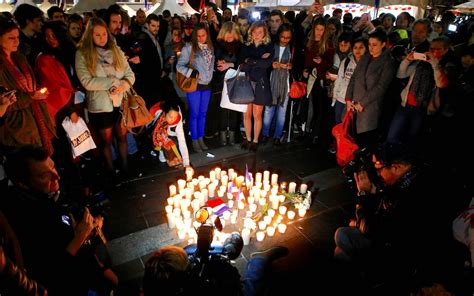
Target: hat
{"x": 189, "y": 24}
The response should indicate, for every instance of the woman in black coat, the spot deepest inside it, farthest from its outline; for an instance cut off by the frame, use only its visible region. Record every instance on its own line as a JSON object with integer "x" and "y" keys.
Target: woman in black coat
{"x": 256, "y": 59}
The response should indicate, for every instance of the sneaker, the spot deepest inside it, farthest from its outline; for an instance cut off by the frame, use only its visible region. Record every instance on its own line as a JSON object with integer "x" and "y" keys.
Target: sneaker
{"x": 161, "y": 156}
{"x": 272, "y": 253}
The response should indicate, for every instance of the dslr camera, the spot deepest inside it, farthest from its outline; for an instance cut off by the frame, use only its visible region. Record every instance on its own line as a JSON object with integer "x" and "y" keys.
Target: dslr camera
{"x": 211, "y": 267}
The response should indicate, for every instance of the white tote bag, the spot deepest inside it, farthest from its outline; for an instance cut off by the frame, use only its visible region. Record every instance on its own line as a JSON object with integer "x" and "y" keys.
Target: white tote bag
{"x": 225, "y": 102}
{"x": 79, "y": 136}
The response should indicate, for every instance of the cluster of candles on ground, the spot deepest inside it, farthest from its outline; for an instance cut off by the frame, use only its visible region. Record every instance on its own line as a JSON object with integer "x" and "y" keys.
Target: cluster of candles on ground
{"x": 237, "y": 200}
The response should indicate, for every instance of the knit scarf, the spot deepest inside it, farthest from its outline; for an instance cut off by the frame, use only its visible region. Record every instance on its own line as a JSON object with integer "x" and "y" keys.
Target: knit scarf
{"x": 279, "y": 77}
{"x": 161, "y": 141}
{"x": 207, "y": 55}
{"x": 25, "y": 83}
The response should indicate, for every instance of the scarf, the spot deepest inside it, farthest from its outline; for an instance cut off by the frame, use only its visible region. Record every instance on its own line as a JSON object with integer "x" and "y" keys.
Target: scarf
{"x": 105, "y": 56}
{"x": 162, "y": 141}
{"x": 207, "y": 55}
{"x": 279, "y": 77}
{"x": 423, "y": 83}
{"x": 25, "y": 83}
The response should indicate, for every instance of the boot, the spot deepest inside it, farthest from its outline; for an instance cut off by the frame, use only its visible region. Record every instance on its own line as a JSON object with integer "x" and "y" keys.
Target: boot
{"x": 196, "y": 146}
{"x": 231, "y": 137}
{"x": 202, "y": 145}
{"x": 223, "y": 137}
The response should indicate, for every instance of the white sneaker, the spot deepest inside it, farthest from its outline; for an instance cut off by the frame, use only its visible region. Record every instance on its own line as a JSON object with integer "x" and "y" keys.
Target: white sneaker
{"x": 161, "y": 156}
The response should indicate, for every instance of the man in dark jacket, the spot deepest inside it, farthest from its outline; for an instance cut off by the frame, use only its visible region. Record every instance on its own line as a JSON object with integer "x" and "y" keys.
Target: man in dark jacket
{"x": 53, "y": 244}
{"x": 150, "y": 71}
{"x": 30, "y": 20}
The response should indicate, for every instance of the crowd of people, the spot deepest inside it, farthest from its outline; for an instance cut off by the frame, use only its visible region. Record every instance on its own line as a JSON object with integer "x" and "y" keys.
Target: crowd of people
{"x": 408, "y": 81}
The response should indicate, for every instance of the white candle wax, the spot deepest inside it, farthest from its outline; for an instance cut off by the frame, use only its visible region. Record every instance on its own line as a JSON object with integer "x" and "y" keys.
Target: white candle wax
{"x": 292, "y": 187}
{"x": 170, "y": 218}
{"x": 205, "y": 194}
{"x": 172, "y": 190}
{"x": 187, "y": 214}
{"x": 271, "y": 213}
{"x": 262, "y": 201}
{"x": 301, "y": 212}
{"x": 230, "y": 204}
{"x": 212, "y": 175}
{"x": 179, "y": 223}
{"x": 230, "y": 173}
{"x": 258, "y": 185}
{"x": 266, "y": 186}
{"x": 274, "y": 191}
{"x": 224, "y": 180}
{"x": 177, "y": 201}
{"x": 282, "y": 210}
{"x": 251, "y": 200}
{"x": 281, "y": 228}
{"x": 263, "y": 193}
{"x": 258, "y": 178}
{"x": 270, "y": 231}
{"x": 230, "y": 196}
{"x": 233, "y": 219}
{"x": 256, "y": 192}
{"x": 195, "y": 182}
{"x": 169, "y": 209}
{"x": 274, "y": 179}
{"x": 246, "y": 236}
{"x": 196, "y": 204}
{"x": 275, "y": 204}
{"x": 262, "y": 225}
{"x": 170, "y": 201}
{"x": 218, "y": 173}
{"x": 201, "y": 178}
{"x": 253, "y": 208}
{"x": 181, "y": 183}
{"x": 177, "y": 212}
{"x": 281, "y": 198}
{"x": 226, "y": 215}
{"x": 181, "y": 234}
{"x": 202, "y": 185}
{"x": 241, "y": 205}
{"x": 185, "y": 204}
{"x": 291, "y": 215}
{"x": 188, "y": 193}
{"x": 266, "y": 176}
{"x": 260, "y": 236}
{"x": 303, "y": 188}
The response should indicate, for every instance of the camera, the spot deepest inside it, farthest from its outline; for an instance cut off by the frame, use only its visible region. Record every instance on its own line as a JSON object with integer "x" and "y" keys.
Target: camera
{"x": 362, "y": 162}
{"x": 211, "y": 267}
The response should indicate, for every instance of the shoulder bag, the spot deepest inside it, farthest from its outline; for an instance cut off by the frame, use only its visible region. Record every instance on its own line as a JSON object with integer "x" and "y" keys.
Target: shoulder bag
{"x": 134, "y": 111}
{"x": 297, "y": 88}
{"x": 345, "y": 143}
{"x": 187, "y": 84}
{"x": 240, "y": 89}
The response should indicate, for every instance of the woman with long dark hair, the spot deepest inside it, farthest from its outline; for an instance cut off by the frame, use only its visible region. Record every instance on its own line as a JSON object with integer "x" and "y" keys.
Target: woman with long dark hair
{"x": 27, "y": 120}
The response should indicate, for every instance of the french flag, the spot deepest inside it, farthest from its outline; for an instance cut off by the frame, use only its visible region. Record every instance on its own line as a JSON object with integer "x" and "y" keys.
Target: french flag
{"x": 218, "y": 206}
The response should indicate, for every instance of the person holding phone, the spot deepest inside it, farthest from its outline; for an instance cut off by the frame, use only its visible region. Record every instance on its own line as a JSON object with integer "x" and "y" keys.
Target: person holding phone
{"x": 7, "y": 98}
{"x": 26, "y": 119}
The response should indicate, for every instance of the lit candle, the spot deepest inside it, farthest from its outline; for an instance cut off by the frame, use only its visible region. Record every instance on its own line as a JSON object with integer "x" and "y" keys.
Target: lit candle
{"x": 256, "y": 192}
{"x": 186, "y": 214}
{"x": 266, "y": 185}
{"x": 292, "y": 187}
{"x": 202, "y": 184}
{"x": 271, "y": 213}
{"x": 267, "y": 219}
{"x": 230, "y": 204}
{"x": 171, "y": 223}
{"x": 189, "y": 173}
{"x": 260, "y": 236}
{"x": 274, "y": 191}
{"x": 181, "y": 234}
{"x": 301, "y": 212}
{"x": 281, "y": 198}
{"x": 275, "y": 203}
{"x": 172, "y": 190}
{"x": 233, "y": 219}
{"x": 170, "y": 201}
{"x": 258, "y": 185}
{"x": 303, "y": 188}
{"x": 230, "y": 173}
{"x": 281, "y": 228}
{"x": 188, "y": 193}
{"x": 282, "y": 210}
{"x": 258, "y": 178}
{"x": 253, "y": 208}
{"x": 181, "y": 184}
{"x": 218, "y": 173}
{"x": 262, "y": 225}
{"x": 270, "y": 231}
{"x": 274, "y": 179}
{"x": 262, "y": 201}
{"x": 291, "y": 215}
{"x": 226, "y": 215}
{"x": 251, "y": 200}
{"x": 211, "y": 189}
{"x": 205, "y": 194}
{"x": 224, "y": 180}
{"x": 241, "y": 205}
{"x": 201, "y": 178}
{"x": 266, "y": 176}
{"x": 246, "y": 236}
{"x": 177, "y": 212}
{"x": 212, "y": 175}
{"x": 169, "y": 209}
{"x": 263, "y": 193}
{"x": 240, "y": 181}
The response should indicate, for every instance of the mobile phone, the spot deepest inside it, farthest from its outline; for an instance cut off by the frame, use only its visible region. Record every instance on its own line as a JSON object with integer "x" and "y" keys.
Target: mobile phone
{"x": 419, "y": 56}
{"x": 43, "y": 90}
{"x": 452, "y": 28}
{"x": 9, "y": 93}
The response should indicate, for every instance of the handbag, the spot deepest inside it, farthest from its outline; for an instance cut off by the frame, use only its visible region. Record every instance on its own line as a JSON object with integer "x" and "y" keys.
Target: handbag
{"x": 225, "y": 102}
{"x": 134, "y": 111}
{"x": 187, "y": 84}
{"x": 297, "y": 88}
{"x": 79, "y": 136}
{"x": 345, "y": 144}
{"x": 240, "y": 89}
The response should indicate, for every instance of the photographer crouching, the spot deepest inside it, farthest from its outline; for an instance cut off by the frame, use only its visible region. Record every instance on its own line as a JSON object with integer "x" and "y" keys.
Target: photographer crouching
{"x": 58, "y": 252}
{"x": 400, "y": 220}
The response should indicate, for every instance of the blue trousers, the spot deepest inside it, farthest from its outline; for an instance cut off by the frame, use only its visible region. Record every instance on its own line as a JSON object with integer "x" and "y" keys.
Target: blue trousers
{"x": 350, "y": 243}
{"x": 406, "y": 124}
{"x": 278, "y": 111}
{"x": 198, "y": 102}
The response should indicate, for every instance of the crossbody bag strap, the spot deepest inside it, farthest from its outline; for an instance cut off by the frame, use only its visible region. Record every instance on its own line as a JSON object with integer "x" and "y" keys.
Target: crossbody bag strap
{"x": 191, "y": 58}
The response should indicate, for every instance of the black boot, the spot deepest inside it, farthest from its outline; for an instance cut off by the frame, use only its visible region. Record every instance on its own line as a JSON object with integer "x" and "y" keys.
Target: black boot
{"x": 231, "y": 137}
{"x": 196, "y": 146}
{"x": 223, "y": 137}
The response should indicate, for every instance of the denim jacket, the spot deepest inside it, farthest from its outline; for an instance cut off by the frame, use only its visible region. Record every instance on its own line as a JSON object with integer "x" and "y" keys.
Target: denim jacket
{"x": 205, "y": 76}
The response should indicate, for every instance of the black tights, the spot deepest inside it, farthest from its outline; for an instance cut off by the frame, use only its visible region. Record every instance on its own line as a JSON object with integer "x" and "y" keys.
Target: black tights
{"x": 105, "y": 136}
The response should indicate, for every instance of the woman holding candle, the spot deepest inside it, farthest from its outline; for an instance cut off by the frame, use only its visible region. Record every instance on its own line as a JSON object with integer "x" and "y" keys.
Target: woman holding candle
{"x": 26, "y": 120}
{"x": 256, "y": 58}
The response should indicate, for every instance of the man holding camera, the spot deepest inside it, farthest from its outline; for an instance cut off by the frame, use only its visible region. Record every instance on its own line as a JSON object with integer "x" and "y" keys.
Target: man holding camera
{"x": 53, "y": 244}
{"x": 401, "y": 220}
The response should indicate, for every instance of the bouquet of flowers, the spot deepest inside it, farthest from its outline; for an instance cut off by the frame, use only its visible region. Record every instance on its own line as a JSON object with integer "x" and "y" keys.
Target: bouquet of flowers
{"x": 299, "y": 200}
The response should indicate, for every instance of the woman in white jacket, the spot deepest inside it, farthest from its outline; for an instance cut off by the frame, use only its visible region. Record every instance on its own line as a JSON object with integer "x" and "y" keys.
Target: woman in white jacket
{"x": 106, "y": 75}
{"x": 346, "y": 69}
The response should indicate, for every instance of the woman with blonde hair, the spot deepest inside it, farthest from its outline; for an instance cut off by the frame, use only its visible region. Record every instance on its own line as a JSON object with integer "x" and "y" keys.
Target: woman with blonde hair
{"x": 229, "y": 44}
{"x": 255, "y": 59}
{"x": 202, "y": 68}
{"x": 106, "y": 75}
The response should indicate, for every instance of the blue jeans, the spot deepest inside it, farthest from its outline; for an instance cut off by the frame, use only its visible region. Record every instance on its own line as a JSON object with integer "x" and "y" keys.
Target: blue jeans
{"x": 406, "y": 124}
{"x": 350, "y": 243}
{"x": 339, "y": 112}
{"x": 280, "y": 112}
{"x": 198, "y": 102}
